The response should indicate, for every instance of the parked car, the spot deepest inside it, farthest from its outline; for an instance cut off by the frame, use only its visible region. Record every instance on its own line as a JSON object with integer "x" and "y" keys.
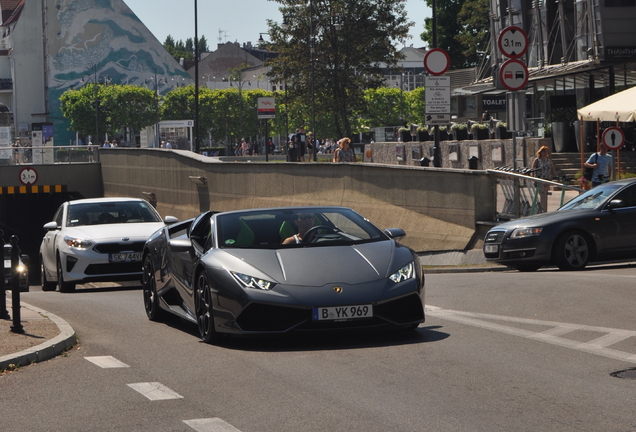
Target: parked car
{"x": 595, "y": 226}
{"x": 230, "y": 273}
{"x": 96, "y": 240}
{"x": 23, "y": 271}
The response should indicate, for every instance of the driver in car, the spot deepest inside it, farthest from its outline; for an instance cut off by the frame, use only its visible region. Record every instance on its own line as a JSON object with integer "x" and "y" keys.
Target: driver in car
{"x": 304, "y": 222}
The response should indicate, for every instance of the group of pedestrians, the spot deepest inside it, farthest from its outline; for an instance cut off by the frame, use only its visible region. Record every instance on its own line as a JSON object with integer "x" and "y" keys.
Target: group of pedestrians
{"x": 301, "y": 146}
{"x": 544, "y": 168}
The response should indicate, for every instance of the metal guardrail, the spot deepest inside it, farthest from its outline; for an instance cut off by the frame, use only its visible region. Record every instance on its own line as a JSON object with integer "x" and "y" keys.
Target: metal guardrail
{"x": 521, "y": 191}
{"x": 50, "y": 154}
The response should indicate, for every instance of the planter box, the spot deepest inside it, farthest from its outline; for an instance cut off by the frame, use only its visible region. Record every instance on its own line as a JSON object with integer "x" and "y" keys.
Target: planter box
{"x": 406, "y": 136}
{"x": 460, "y": 134}
{"x": 481, "y": 134}
{"x": 423, "y": 136}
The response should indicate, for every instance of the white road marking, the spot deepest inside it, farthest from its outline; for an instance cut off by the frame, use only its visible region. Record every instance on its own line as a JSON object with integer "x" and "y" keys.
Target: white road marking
{"x": 155, "y": 391}
{"x": 210, "y": 425}
{"x": 597, "y": 346}
{"x": 106, "y": 362}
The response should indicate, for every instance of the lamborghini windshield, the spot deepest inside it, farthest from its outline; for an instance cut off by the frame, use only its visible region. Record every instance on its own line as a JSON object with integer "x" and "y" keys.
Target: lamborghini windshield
{"x": 294, "y": 227}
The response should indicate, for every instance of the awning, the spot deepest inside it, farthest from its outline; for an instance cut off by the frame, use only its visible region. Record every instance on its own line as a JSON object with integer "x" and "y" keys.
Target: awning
{"x": 620, "y": 106}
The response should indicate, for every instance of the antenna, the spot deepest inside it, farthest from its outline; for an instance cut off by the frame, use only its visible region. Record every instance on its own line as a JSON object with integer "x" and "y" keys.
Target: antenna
{"x": 222, "y": 35}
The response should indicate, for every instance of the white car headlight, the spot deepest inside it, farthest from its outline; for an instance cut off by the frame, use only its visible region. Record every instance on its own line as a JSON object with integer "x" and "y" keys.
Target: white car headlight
{"x": 77, "y": 243}
{"x": 253, "y": 282}
{"x": 21, "y": 268}
{"x": 525, "y": 232}
{"x": 405, "y": 273}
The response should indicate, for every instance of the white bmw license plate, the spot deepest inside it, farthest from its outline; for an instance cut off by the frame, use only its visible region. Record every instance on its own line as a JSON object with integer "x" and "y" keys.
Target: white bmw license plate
{"x": 491, "y": 248}
{"x": 342, "y": 313}
{"x": 125, "y": 257}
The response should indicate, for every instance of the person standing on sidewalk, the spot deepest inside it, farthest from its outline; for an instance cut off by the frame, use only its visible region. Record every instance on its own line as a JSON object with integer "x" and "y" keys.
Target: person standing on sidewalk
{"x": 544, "y": 170}
{"x": 602, "y": 163}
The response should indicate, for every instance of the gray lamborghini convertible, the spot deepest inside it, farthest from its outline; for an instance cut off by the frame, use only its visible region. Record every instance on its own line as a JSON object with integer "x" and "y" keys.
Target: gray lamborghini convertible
{"x": 280, "y": 270}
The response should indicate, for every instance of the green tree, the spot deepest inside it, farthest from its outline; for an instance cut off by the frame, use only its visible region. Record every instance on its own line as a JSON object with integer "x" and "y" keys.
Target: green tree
{"x": 385, "y": 107}
{"x": 113, "y": 107}
{"x": 462, "y": 30}
{"x": 347, "y": 61}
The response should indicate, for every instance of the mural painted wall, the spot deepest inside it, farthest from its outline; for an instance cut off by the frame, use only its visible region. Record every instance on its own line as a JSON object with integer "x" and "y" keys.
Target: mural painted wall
{"x": 100, "y": 40}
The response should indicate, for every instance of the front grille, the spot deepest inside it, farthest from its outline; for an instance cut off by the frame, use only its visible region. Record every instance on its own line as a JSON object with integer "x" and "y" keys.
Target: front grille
{"x": 99, "y": 269}
{"x": 494, "y": 236}
{"x": 108, "y": 248}
{"x": 264, "y": 317}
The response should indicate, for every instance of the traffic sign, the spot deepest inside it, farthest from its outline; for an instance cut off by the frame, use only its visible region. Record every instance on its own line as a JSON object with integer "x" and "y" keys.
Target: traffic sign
{"x": 513, "y": 42}
{"x": 436, "y": 61}
{"x": 513, "y": 74}
{"x": 266, "y": 108}
{"x": 437, "y": 94}
{"x": 613, "y": 138}
{"x": 28, "y": 176}
{"x": 438, "y": 119}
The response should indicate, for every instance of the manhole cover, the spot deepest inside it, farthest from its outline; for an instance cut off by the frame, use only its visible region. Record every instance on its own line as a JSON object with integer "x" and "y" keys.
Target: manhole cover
{"x": 625, "y": 374}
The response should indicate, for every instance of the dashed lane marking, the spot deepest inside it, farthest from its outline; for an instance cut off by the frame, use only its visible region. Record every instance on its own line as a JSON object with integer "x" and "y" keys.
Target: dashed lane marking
{"x": 155, "y": 391}
{"x": 597, "y": 346}
{"x": 210, "y": 425}
{"x": 106, "y": 362}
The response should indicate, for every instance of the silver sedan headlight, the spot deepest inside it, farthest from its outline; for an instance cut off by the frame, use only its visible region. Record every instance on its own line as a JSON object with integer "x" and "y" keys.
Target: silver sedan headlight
{"x": 253, "y": 282}
{"x": 525, "y": 232}
{"x": 77, "y": 243}
{"x": 405, "y": 273}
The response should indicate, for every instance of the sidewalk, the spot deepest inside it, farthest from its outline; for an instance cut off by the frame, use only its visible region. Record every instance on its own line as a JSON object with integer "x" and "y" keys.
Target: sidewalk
{"x": 45, "y": 336}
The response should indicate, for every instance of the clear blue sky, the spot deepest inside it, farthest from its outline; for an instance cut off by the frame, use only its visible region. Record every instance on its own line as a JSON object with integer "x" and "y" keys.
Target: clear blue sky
{"x": 230, "y": 21}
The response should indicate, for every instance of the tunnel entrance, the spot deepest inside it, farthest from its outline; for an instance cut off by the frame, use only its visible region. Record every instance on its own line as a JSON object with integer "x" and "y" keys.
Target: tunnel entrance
{"x": 24, "y": 215}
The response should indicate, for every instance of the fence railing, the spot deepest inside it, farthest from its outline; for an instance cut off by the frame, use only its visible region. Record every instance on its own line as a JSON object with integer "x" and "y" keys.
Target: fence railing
{"x": 521, "y": 192}
{"x": 50, "y": 154}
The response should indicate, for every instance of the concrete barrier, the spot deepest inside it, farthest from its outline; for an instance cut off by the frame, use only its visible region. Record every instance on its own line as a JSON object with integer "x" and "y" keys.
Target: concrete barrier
{"x": 438, "y": 208}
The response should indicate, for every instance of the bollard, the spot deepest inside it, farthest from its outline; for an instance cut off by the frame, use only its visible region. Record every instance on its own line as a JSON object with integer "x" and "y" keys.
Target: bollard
{"x": 425, "y": 161}
{"x": 4, "y": 313}
{"x": 472, "y": 162}
{"x": 15, "y": 286}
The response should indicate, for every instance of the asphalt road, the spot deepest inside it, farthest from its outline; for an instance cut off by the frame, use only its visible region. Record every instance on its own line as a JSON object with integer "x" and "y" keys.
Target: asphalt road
{"x": 503, "y": 351}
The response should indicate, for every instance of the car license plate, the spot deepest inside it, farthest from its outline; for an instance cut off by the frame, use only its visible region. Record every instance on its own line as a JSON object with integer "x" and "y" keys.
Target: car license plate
{"x": 491, "y": 248}
{"x": 125, "y": 257}
{"x": 342, "y": 313}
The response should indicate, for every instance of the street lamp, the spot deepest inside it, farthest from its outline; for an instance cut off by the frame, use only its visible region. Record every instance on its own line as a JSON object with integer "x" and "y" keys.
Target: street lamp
{"x": 156, "y": 83}
{"x": 239, "y": 83}
{"x": 196, "y": 80}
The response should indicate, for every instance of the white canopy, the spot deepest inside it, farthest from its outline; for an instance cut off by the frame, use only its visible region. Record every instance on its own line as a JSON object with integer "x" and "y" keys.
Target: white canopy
{"x": 620, "y": 106}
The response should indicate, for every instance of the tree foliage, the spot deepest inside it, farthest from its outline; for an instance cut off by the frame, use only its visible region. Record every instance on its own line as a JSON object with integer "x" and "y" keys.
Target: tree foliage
{"x": 462, "y": 30}
{"x": 109, "y": 108}
{"x": 180, "y": 49}
{"x": 346, "y": 61}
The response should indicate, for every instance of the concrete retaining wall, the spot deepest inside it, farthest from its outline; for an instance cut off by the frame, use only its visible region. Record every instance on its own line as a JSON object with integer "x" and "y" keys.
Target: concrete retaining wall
{"x": 438, "y": 208}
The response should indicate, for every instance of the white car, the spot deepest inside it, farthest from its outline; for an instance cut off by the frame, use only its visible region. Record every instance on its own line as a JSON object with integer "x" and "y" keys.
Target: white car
{"x": 97, "y": 240}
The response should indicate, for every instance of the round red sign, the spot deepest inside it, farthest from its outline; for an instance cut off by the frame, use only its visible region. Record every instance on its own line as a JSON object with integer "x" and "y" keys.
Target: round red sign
{"x": 436, "y": 61}
{"x": 613, "y": 138}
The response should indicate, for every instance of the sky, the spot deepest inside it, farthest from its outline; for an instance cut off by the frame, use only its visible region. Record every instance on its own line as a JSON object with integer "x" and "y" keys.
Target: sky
{"x": 233, "y": 21}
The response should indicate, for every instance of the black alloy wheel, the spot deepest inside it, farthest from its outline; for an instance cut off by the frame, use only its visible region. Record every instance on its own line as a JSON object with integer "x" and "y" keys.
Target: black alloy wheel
{"x": 572, "y": 251}
{"x": 65, "y": 287}
{"x": 46, "y": 284}
{"x": 149, "y": 286}
{"x": 204, "y": 310}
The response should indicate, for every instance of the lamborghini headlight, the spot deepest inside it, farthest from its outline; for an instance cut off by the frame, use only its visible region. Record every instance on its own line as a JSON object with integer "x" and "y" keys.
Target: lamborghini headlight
{"x": 525, "y": 232}
{"x": 405, "y": 273}
{"x": 253, "y": 282}
{"x": 77, "y": 243}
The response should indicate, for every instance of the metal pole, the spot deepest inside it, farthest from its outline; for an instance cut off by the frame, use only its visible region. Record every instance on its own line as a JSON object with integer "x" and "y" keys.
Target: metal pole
{"x": 15, "y": 286}
{"x": 96, "y": 109}
{"x": 4, "y": 313}
{"x": 313, "y": 79}
{"x": 437, "y": 160}
{"x": 196, "y": 81}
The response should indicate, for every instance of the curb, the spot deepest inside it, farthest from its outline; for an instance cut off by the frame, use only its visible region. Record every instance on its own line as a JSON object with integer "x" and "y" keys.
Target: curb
{"x": 46, "y": 350}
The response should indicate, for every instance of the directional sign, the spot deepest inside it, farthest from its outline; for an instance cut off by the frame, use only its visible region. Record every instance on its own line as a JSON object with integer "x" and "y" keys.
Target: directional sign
{"x": 513, "y": 42}
{"x": 436, "y": 61}
{"x": 513, "y": 74}
{"x": 613, "y": 138}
